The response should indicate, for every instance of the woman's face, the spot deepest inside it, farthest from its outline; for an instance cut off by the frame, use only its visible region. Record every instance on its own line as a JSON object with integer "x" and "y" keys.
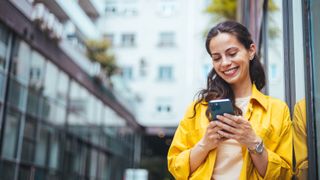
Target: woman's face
{"x": 230, "y": 58}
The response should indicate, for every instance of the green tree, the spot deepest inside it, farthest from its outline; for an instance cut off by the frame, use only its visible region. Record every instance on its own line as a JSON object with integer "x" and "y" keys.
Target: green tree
{"x": 227, "y": 10}
{"x": 98, "y": 51}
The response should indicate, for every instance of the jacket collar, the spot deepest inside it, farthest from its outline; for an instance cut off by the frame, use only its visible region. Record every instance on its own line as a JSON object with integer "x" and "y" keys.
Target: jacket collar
{"x": 259, "y": 97}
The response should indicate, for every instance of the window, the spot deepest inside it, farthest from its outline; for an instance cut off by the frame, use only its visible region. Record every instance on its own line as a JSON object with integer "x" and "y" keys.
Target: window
{"x": 127, "y": 73}
{"x": 110, "y": 38}
{"x": 167, "y": 39}
{"x": 165, "y": 73}
{"x": 121, "y": 9}
{"x": 11, "y": 132}
{"x": 167, "y": 8}
{"x": 36, "y": 83}
{"x": 29, "y": 141}
{"x": 4, "y": 39}
{"x": 128, "y": 40}
{"x": 164, "y": 108}
{"x": 110, "y": 10}
{"x": 142, "y": 67}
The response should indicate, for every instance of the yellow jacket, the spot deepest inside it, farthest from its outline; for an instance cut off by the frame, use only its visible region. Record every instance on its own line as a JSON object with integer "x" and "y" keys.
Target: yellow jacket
{"x": 270, "y": 119}
{"x": 300, "y": 140}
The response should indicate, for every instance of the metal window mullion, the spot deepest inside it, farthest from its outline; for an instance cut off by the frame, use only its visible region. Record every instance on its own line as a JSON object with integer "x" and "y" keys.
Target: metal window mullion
{"x": 6, "y": 90}
{"x": 309, "y": 88}
{"x": 289, "y": 67}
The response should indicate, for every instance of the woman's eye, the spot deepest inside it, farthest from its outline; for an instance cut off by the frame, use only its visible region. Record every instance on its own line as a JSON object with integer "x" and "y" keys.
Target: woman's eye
{"x": 216, "y": 58}
{"x": 233, "y": 53}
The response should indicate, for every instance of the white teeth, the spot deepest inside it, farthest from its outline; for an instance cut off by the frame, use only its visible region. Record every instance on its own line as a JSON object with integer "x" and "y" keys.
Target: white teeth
{"x": 230, "y": 71}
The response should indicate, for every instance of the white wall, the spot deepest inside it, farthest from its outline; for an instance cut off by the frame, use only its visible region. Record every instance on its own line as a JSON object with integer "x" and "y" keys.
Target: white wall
{"x": 187, "y": 57}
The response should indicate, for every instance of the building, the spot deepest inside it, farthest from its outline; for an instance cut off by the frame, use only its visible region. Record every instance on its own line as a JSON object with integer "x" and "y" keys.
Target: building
{"x": 160, "y": 47}
{"x": 293, "y": 58}
{"x": 56, "y": 121}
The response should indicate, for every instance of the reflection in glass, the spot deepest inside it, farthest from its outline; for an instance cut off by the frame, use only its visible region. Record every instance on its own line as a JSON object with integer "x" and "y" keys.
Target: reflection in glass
{"x": 299, "y": 114}
{"x": 51, "y": 80}
{"x": 20, "y": 65}
{"x": 11, "y": 133}
{"x": 275, "y": 52}
{"x": 7, "y": 170}
{"x": 36, "y": 84}
{"x": 42, "y": 147}
{"x": 62, "y": 88}
{"x": 93, "y": 163}
{"x": 54, "y": 150}
{"x": 77, "y": 104}
{"x": 4, "y": 38}
{"x": 2, "y": 86}
{"x": 28, "y": 144}
{"x": 17, "y": 94}
{"x": 102, "y": 165}
{"x": 300, "y": 140}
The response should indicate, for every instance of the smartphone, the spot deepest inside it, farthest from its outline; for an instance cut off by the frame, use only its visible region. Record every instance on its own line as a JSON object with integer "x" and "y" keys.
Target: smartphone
{"x": 219, "y": 107}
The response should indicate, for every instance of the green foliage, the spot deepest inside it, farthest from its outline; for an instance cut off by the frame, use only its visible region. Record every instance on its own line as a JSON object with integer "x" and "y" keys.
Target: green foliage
{"x": 97, "y": 51}
{"x": 227, "y": 10}
{"x": 223, "y": 8}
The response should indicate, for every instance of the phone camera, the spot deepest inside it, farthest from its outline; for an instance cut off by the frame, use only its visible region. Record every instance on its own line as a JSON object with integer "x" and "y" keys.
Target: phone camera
{"x": 216, "y": 106}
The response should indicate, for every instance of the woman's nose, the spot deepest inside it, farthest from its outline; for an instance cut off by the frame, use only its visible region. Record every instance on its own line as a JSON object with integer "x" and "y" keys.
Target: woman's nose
{"x": 225, "y": 61}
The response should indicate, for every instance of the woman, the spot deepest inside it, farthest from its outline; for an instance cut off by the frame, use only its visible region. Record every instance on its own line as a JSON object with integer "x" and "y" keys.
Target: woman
{"x": 256, "y": 143}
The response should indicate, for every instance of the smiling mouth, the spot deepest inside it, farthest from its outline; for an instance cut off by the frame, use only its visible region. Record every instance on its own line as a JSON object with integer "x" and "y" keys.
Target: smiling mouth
{"x": 231, "y": 71}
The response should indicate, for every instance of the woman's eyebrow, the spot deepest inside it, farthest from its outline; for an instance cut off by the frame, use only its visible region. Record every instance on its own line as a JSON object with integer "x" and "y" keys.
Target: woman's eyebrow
{"x": 231, "y": 48}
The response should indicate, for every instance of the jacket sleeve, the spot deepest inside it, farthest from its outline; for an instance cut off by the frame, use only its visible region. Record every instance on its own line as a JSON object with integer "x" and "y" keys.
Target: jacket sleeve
{"x": 280, "y": 157}
{"x": 179, "y": 151}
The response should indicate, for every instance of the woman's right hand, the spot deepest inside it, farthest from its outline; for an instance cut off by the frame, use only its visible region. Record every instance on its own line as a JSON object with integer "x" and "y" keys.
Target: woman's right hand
{"x": 211, "y": 138}
{"x": 209, "y": 141}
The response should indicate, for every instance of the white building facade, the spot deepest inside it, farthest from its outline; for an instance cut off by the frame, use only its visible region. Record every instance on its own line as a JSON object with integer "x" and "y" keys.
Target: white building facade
{"x": 160, "y": 47}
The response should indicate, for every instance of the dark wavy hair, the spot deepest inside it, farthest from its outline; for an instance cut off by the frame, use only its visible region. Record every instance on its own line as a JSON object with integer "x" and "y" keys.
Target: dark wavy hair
{"x": 217, "y": 88}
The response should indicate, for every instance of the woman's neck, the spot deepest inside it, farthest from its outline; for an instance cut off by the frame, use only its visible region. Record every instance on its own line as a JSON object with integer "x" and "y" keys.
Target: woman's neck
{"x": 241, "y": 90}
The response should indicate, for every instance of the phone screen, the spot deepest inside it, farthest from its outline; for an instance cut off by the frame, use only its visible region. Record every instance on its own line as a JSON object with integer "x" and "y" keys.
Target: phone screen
{"x": 219, "y": 107}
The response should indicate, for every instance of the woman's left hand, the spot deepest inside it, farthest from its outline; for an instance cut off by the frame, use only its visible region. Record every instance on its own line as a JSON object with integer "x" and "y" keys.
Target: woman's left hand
{"x": 239, "y": 129}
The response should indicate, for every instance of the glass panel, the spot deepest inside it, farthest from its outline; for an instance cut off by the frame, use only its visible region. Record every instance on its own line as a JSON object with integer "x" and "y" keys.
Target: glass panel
{"x": 17, "y": 94}
{"x": 2, "y": 86}
{"x": 77, "y": 104}
{"x": 37, "y": 72}
{"x": 33, "y": 102}
{"x": 93, "y": 163}
{"x": 54, "y": 150}
{"x": 275, "y": 52}
{"x": 36, "y": 84}
{"x": 11, "y": 133}
{"x": 51, "y": 80}
{"x": 4, "y": 38}
{"x": 62, "y": 90}
{"x": 102, "y": 165}
{"x": 42, "y": 146}
{"x": 299, "y": 113}
{"x": 91, "y": 107}
{"x": 60, "y": 114}
{"x": 40, "y": 174}
{"x": 24, "y": 173}
{"x": 28, "y": 144}
{"x": 7, "y": 170}
{"x": 20, "y": 65}
{"x": 315, "y": 46}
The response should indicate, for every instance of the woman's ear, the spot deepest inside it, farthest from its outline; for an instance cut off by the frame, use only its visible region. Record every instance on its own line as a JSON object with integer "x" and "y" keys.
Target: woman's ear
{"x": 252, "y": 51}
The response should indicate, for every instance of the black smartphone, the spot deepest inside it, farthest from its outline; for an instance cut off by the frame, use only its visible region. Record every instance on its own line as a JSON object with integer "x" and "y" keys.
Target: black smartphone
{"x": 219, "y": 107}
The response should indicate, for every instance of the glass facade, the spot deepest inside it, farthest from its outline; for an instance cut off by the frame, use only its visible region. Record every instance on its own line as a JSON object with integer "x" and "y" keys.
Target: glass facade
{"x": 54, "y": 127}
{"x": 289, "y": 47}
